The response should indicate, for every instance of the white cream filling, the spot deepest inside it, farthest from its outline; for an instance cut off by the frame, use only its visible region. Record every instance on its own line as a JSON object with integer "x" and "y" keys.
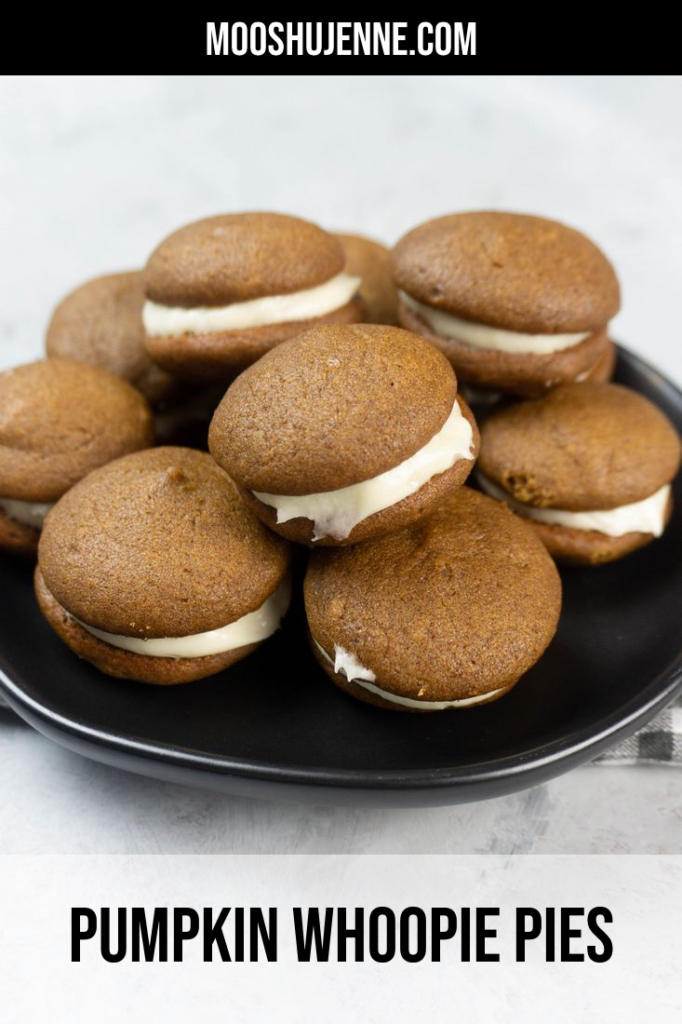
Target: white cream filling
{"x": 172, "y": 321}
{"x": 645, "y": 516}
{"x": 28, "y": 513}
{"x": 249, "y": 629}
{"x": 345, "y": 662}
{"x": 355, "y": 672}
{"x": 336, "y": 513}
{"x": 484, "y": 336}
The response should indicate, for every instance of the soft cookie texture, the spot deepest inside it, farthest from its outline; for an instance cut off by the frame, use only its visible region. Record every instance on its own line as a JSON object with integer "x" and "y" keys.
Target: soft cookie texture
{"x": 60, "y": 419}
{"x": 100, "y": 323}
{"x": 456, "y": 606}
{"x": 331, "y": 409}
{"x": 368, "y": 260}
{"x": 240, "y": 256}
{"x": 237, "y": 258}
{"x": 581, "y": 448}
{"x": 513, "y": 272}
{"x": 157, "y": 544}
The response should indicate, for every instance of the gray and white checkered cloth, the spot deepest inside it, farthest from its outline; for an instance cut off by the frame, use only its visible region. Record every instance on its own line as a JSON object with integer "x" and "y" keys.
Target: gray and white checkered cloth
{"x": 659, "y": 742}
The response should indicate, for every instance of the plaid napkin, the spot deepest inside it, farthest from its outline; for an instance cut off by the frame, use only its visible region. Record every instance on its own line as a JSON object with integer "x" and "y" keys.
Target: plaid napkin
{"x": 659, "y": 742}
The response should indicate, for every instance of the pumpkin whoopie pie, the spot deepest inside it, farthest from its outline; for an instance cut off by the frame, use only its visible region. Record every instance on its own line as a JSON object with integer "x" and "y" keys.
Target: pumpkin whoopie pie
{"x": 345, "y": 433}
{"x": 483, "y": 400}
{"x": 448, "y": 612}
{"x": 519, "y": 304}
{"x": 368, "y": 260}
{"x": 100, "y": 323}
{"x": 223, "y": 291}
{"x": 59, "y": 419}
{"x": 589, "y": 466}
{"x": 153, "y": 569}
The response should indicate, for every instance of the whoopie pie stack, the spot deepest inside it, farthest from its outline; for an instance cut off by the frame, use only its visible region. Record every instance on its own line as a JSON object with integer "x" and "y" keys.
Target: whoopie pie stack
{"x": 518, "y": 304}
{"x": 448, "y": 612}
{"x": 222, "y": 292}
{"x": 59, "y": 420}
{"x": 335, "y": 376}
{"x": 589, "y": 466}
{"x": 153, "y": 569}
{"x": 345, "y": 433}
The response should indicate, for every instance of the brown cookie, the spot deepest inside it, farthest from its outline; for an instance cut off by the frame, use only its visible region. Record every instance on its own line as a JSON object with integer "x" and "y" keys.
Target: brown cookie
{"x": 153, "y": 548}
{"x": 221, "y": 356}
{"x": 224, "y": 290}
{"x": 408, "y": 510}
{"x": 240, "y": 256}
{"x": 586, "y": 449}
{"x": 605, "y": 367}
{"x": 368, "y": 260}
{"x": 126, "y": 664}
{"x": 509, "y": 270}
{"x": 455, "y": 607}
{"x": 60, "y": 419}
{"x": 517, "y": 303}
{"x": 18, "y": 538}
{"x": 100, "y": 323}
{"x": 589, "y": 547}
{"x": 523, "y": 374}
{"x": 336, "y": 408}
{"x": 581, "y": 447}
{"x": 484, "y": 401}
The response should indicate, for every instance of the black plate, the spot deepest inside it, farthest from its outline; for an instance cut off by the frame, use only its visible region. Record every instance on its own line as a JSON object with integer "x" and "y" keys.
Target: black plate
{"x": 274, "y": 726}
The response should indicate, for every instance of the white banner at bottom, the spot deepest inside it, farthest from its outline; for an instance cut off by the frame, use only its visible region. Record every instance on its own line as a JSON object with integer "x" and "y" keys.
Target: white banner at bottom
{"x": 340, "y": 938}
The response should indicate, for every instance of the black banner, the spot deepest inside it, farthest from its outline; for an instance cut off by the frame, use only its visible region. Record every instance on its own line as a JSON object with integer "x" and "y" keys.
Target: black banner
{"x": 441, "y": 40}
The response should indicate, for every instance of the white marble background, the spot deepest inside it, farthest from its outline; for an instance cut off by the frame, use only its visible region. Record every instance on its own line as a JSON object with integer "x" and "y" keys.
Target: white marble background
{"x": 93, "y": 172}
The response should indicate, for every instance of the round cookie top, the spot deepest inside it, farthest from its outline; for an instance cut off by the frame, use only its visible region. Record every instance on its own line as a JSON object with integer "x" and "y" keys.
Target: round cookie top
{"x": 100, "y": 323}
{"x": 159, "y": 544}
{"x": 337, "y": 405}
{"x": 60, "y": 419}
{"x": 582, "y": 446}
{"x": 368, "y": 260}
{"x": 240, "y": 256}
{"x": 508, "y": 270}
{"x": 457, "y": 604}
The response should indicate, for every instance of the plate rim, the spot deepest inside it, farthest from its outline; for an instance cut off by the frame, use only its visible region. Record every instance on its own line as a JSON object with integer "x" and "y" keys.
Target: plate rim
{"x": 578, "y": 748}
{"x": 571, "y": 750}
